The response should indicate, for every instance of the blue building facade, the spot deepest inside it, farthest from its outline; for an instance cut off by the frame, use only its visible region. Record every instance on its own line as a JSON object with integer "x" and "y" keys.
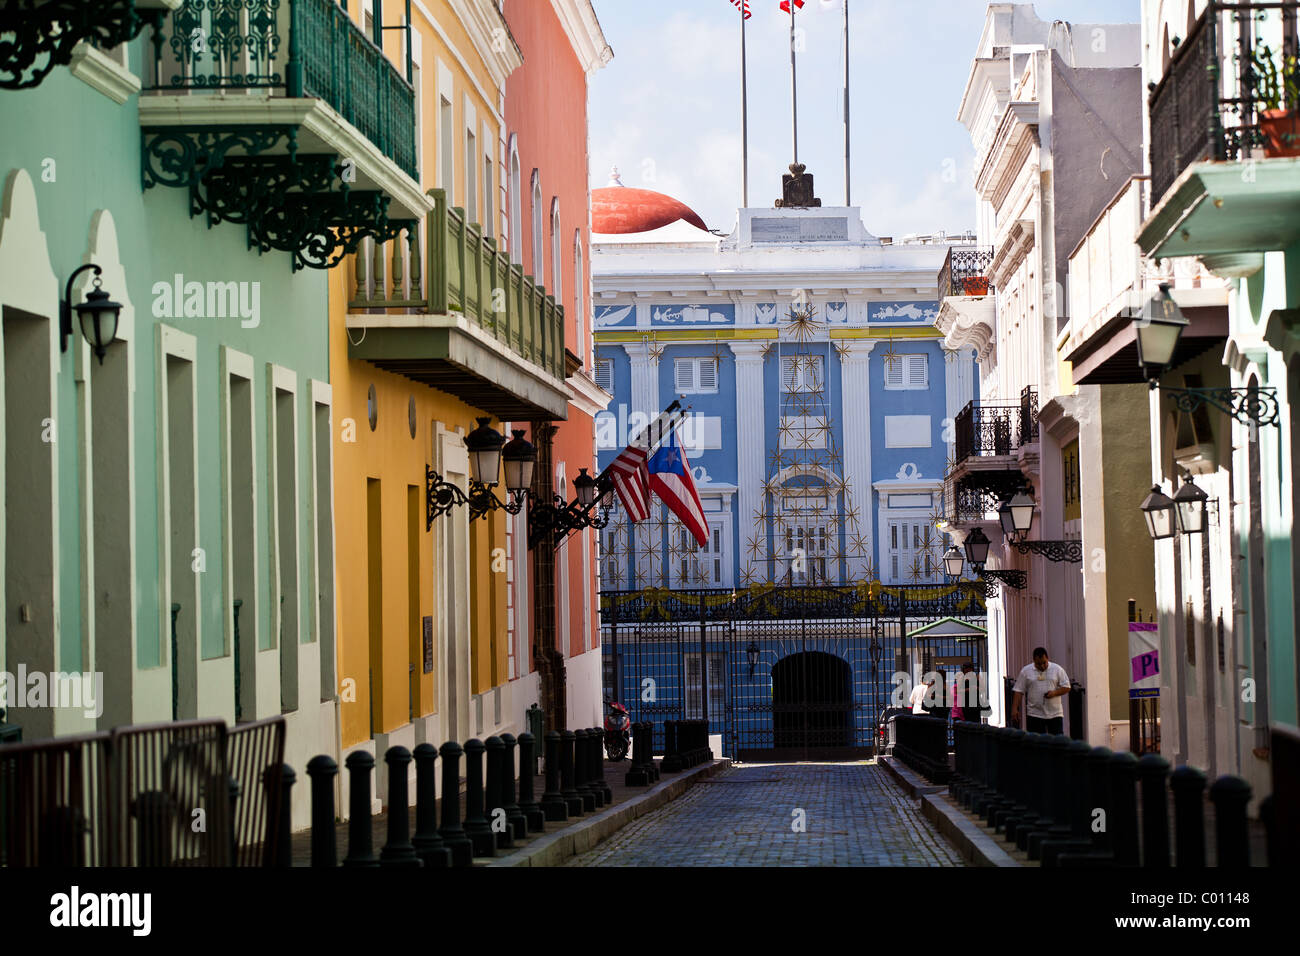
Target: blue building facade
{"x": 821, "y": 398}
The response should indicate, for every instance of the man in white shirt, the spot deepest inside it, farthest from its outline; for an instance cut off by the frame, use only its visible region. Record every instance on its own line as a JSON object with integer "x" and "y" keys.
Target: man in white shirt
{"x": 1045, "y": 684}
{"x": 917, "y": 700}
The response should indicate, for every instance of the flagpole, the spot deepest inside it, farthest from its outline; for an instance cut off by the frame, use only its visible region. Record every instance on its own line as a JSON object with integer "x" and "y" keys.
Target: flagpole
{"x": 744, "y": 118}
{"x": 848, "y": 195}
{"x": 794, "y": 99}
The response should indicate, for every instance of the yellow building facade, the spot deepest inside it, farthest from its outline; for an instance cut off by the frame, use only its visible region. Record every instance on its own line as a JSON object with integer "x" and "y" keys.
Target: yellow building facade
{"x": 430, "y": 332}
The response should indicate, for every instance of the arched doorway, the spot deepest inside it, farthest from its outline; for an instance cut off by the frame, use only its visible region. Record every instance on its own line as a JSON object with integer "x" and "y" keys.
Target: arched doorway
{"x": 812, "y": 702}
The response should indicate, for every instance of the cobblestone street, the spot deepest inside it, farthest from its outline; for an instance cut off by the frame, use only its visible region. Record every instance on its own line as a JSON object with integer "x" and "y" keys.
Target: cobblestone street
{"x": 853, "y": 815}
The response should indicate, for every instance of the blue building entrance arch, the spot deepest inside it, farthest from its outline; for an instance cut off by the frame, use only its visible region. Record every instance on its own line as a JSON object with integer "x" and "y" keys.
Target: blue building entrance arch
{"x": 812, "y": 702}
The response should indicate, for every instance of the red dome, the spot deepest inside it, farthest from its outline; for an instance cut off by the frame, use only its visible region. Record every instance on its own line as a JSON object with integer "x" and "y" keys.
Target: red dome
{"x": 621, "y": 209}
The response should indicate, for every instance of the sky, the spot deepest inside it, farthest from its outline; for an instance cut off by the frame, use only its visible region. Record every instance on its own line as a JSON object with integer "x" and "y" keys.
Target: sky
{"x": 666, "y": 110}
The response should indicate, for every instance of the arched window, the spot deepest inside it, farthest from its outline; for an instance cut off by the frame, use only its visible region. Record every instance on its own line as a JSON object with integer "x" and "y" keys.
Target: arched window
{"x": 557, "y": 262}
{"x": 538, "y": 256}
{"x": 516, "y": 224}
{"x": 579, "y": 301}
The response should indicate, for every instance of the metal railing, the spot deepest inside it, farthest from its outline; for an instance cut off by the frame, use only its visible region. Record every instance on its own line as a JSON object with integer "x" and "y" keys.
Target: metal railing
{"x": 965, "y": 272}
{"x": 300, "y": 48}
{"x": 465, "y": 273}
{"x": 1206, "y": 106}
{"x": 984, "y": 430}
{"x": 131, "y": 796}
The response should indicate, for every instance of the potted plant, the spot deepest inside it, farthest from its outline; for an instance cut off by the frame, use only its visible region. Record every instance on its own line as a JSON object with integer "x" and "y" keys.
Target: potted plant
{"x": 1274, "y": 89}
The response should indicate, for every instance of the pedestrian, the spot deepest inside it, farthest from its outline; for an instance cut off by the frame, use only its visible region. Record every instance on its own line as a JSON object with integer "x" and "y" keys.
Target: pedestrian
{"x": 1045, "y": 684}
{"x": 917, "y": 700}
{"x": 960, "y": 690}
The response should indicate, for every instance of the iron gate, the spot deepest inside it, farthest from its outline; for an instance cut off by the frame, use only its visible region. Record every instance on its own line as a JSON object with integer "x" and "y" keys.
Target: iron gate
{"x": 781, "y": 672}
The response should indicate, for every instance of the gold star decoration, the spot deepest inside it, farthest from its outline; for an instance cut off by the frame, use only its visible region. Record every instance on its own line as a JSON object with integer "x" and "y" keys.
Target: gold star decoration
{"x": 803, "y": 325}
{"x": 950, "y": 355}
{"x": 720, "y": 350}
{"x": 757, "y": 545}
{"x": 859, "y": 545}
{"x": 843, "y": 349}
{"x": 747, "y": 576}
{"x": 915, "y": 572}
{"x": 889, "y": 356}
{"x": 653, "y": 349}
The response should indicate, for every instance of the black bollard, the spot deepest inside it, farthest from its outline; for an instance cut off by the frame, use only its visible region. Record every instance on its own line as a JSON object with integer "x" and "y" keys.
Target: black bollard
{"x": 518, "y": 822}
{"x": 452, "y": 833}
{"x": 494, "y": 797}
{"x": 360, "y": 840}
{"x": 398, "y": 849}
{"x": 581, "y": 758}
{"x": 1077, "y": 838}
{"x": 233, "y": 791}
{"x": 528, "y": 804}
{"x": 596, "y": 736}
{"x": 1230, "y": 796}
{"x": 554, "y": 806}
{"x": 477, "y": 827}
{"x": 322, "y": 770}
{"x": 568, "y": 786}
{"x": 1122, "y": 819}
{"x": 636, "y": 775}
{"x": 153, "y": 812}
{"x": 1188, "y": 785}
{"x": 285, "y": 778}
{"x": 672, "y": 762}
{"x": 428, "y": 844}
{"x": 1153, "y": 771}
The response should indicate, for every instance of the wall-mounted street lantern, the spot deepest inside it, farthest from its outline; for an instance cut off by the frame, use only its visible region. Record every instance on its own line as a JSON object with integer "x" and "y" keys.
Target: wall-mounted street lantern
{"x": 1184, "y": 512}
{"x": 954, "y": 562}
{"x": 752, "y": 653}
{"x": 1189, "y": 507}
{"x": 1017, "y": 518}
{"x": 1157, "y": 340}
{"x": 561, "y": 517}
{"x": 487, "y": 449}
{"x": 977, "y": 549}
{"x": 97, "y": 316}
{"x": 1158, "y": 510}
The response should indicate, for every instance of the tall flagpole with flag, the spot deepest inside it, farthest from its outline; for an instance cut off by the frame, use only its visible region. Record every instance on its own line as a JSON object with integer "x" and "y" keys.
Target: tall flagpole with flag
{"x": 792, "y": 6}
{"x": 848, "y": 194}
{"x": 742, "y": 7}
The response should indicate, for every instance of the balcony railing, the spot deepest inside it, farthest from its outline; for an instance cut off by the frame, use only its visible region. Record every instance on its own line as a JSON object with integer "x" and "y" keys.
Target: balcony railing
{"x": 965, "y": 272}
{"x": 300, "y": 48}
{"x": 992, "y": 430}
{"x": 1207, "y": 104}
{"x": 465, "y": 273}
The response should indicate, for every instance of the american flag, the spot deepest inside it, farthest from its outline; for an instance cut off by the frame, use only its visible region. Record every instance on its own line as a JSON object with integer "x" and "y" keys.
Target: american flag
{"x": 742, "y": 5}
{"x": 628, "y": 470}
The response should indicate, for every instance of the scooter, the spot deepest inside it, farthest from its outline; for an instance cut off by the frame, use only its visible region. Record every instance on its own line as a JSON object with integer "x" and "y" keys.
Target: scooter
{"x": 618, "y": 730}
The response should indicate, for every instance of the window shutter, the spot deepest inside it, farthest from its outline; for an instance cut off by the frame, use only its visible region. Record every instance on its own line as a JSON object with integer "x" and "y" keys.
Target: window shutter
{"x": 894, "y": 372}
{"x": 917, "y": 371}
{"x": 684, "y": 372}
{"x": 789, "y": 373}
{"x": 708, "y": 374}
{"x": 605, "y": 374}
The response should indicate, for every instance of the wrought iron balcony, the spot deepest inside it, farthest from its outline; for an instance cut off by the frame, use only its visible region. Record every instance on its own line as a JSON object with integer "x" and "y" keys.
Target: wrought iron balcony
{"x": 965, "y": 272}
{"x": 285, "y": 117}
{"x": 460, "y": 316}
{"x": 1207, "y": 105}
{"x": 996, "y": 430}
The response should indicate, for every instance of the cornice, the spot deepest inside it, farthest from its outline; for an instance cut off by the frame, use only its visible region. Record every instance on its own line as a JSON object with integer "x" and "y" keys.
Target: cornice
{"x": 486, "y": 26}
{"x": 1019, "y": 122}
{"x": 585, "y": 395}
{"x": 578, "y": 17}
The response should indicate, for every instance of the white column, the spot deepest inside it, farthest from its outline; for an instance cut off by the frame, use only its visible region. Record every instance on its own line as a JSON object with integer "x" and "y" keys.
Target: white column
{"x": 645, "y": 398}
{"x": 750, "y": 452}
{"x": 855, "y": 404}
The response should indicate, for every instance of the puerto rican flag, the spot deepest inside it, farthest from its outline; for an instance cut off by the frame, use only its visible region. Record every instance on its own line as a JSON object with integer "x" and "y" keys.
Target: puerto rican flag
{"x": 785, "y": 5}
{"x": 670, "y": 479}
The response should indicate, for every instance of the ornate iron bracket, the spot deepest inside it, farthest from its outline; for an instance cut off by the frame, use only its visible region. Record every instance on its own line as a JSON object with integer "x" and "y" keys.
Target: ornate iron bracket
{"x": 1059, "y": 551}
{"x": 560, "y": 518}
{"x": 441, "y": 496}
{"x": 1011, "y": 577}
{"x": 1256, "y": 406}
{"x": 300, "y": 204}
{"x": 49, "y": 30}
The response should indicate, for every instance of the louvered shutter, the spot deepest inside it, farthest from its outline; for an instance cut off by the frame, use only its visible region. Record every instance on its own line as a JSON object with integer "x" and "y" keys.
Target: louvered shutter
{"x": 708, "y": 374}
{"x": 789, "y": 373}
{"x": 684, "y": 372}
{"x": 894, "y": 372}
{"x": 917, "y": 371}
{"x": 605, "y": 374}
